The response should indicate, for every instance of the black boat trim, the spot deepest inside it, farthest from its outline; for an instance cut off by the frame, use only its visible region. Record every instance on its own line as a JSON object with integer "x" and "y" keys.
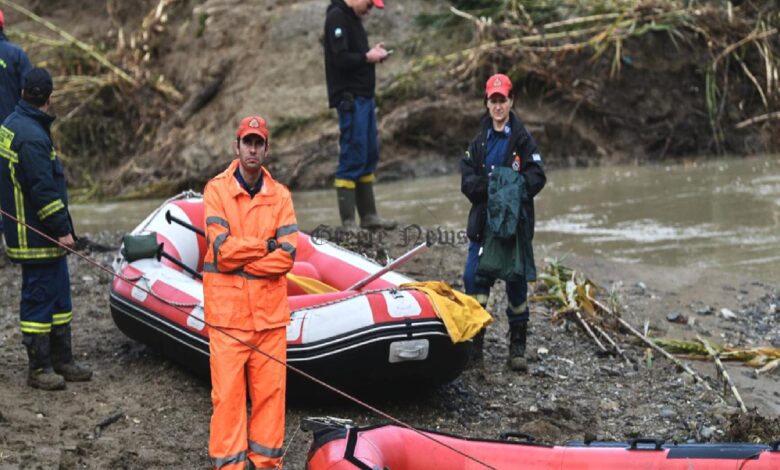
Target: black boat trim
{"x": 375, "y": 333}
{"x": 717, "y": 451}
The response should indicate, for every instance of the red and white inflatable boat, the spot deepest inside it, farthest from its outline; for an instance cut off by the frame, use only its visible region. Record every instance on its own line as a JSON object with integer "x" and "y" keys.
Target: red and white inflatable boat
{"x": 338, "y": 446}
{"x": 376, "y": 338}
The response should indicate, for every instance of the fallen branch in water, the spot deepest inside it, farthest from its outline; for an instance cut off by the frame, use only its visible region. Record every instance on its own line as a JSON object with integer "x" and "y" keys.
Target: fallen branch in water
{"x": 723, "y": 372}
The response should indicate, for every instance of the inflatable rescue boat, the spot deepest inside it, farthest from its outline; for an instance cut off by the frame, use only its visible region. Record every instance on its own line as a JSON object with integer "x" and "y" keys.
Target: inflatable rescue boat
{"x": 375, "y": 337}
{"x": 339, "y": 446}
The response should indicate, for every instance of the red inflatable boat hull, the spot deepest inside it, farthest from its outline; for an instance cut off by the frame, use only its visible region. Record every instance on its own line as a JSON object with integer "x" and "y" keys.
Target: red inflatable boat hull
{"x": 397, "y": 448}
{"x": 381, "y": 338}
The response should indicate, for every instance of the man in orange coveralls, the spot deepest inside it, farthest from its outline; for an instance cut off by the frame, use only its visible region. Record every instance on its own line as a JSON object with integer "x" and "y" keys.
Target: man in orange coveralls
{"x": 252, "y": 235}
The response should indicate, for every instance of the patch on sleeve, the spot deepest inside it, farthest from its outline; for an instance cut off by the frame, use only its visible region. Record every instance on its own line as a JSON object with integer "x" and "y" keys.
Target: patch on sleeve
{"x": 338, "y": 32}
{"x": 536, "y": 157}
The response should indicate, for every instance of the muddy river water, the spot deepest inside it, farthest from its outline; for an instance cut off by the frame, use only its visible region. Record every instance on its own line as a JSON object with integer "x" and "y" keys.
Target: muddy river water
{"x": 722, "y": 214}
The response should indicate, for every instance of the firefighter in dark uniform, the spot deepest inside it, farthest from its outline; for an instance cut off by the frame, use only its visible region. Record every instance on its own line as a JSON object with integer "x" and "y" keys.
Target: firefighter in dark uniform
{"x": 503, "y": 140}
{"x": 14, "y": 64}
{"x": 33, "y": 191}
{"x": 351, "y": 79}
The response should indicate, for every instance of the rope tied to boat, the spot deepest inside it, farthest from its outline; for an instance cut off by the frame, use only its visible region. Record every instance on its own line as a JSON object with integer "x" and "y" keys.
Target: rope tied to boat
{"x": 254, "y": 348}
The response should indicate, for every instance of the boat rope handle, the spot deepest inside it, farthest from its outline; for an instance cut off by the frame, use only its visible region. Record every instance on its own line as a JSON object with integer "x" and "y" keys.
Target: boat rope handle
{"x": 172, "y": 303}
{"x": 254, "y": 348}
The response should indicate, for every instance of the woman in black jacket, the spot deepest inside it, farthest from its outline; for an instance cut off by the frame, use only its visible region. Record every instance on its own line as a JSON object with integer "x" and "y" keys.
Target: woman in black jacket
{"x": 502, "y": 141}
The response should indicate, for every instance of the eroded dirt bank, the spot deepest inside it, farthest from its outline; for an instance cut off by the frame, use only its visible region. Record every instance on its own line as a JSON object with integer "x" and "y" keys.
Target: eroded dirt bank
{"x": 644, "y": 81}
{"x": 142, "y": 411}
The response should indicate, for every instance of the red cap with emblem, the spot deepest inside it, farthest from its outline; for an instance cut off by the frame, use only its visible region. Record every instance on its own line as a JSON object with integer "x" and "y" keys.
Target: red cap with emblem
{"x": 378, "y": 3}
{"x": 498, "y": 83}
{"x": 252, "y": 125}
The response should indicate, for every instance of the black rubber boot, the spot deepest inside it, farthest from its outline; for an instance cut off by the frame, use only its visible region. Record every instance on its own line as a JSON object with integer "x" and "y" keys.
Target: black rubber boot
{"x": 41, "y": 374}
{"x": 62, "y": 356}
{"x": 477, "y": 356}
{"x": 517, "y": 336}
{"x": 366, "y": 205}
{"x": 346, "y": 199}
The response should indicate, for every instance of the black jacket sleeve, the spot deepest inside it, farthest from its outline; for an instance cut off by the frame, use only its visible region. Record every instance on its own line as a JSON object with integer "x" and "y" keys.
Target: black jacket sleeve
{"x": 472, "y": 184}
{"x": 533, "y": 167}
{"x": 337, "y": 41}
{"x": 45, "y": 198}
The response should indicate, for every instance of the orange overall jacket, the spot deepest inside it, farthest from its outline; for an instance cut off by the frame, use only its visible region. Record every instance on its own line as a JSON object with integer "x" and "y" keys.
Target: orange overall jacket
{"x": 244, "y": 285}
{"x": 245, "y": 296}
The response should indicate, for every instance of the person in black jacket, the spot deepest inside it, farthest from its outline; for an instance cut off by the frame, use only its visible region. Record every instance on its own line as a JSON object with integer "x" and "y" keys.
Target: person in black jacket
{"x": 351, "y": 79}
{"x": 14, "y": 64}
{"x": 502, "y": 141}
{"x": 33, "y": 191}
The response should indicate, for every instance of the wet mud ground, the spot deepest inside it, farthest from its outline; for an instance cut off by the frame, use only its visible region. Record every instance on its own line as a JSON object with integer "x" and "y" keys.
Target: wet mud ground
{"x": 143, "y": 411}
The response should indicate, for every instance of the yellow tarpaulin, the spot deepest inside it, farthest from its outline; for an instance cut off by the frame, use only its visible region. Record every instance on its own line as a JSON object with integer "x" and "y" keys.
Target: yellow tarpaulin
{"x": 311, "y": 285}
{"x": 461, "y": 313}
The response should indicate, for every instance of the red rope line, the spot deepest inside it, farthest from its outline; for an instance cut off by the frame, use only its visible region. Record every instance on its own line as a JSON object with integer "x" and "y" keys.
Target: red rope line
{"x": 256, "y": 349}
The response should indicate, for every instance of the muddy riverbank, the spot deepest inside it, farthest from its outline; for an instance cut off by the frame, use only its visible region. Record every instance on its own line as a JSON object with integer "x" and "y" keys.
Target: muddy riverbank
{"x": 142, "y": 411}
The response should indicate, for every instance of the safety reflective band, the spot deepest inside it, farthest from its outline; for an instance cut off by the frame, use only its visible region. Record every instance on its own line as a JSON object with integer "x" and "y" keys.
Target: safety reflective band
{"x": 35, "y": 253}
{"x": 218, "y": 221}
{"x": 286, "y": 230}
{"x": 62, "y": 318}
{"x": 218, "y": 244}
{"x": 519, "y": 309}
{"x": 220, "y": 462}
{"x": 51, "y": 208}
{"x": 340, "y": 183}
{"x": 6, "y": 138}
{"x": 212, "y": 268}
{"x": 289, "y": 249}
{"x": 21, "y": 222}
{"x": 9, "y": 154}
{"x": 369, "y": 178}
{"x": 35, "y": 327}
{"x": 265, "y": 451}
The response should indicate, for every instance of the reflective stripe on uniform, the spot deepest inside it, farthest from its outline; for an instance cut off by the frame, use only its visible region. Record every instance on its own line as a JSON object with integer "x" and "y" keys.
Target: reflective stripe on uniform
{"x": 218, "y": 221}
{"x": 340, "y": 183}
{"x": 519, "y": 309}
{"x": 21, "y": 220}
{"x": 217, "y": 245}
{"x": 35, "y": 327}
{"x": 35, "y": 253}
{"x": 6, "y": 138}
{"x": 286, "y": 230}
{"x": 265, "y": 451}
{"x": 220, "y": 462}
{"x": 369, "y": 178}
{"x": 212, "y": 268}
{"x": 50, "y": 208}
{"x": 289, "y": 248}
{"x": 62, "y": 318}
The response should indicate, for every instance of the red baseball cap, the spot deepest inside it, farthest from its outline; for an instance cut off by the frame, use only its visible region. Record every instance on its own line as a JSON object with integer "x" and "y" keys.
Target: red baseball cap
{"x": 252, "y": 125}
{"x": 498, "y": 83}
{"x": 2, "y": 19}
{"x": 378, "y": 3}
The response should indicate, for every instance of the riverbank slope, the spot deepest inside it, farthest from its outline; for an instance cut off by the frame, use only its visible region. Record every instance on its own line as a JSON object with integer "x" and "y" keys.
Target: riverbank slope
{"x": 142, "y": 411}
